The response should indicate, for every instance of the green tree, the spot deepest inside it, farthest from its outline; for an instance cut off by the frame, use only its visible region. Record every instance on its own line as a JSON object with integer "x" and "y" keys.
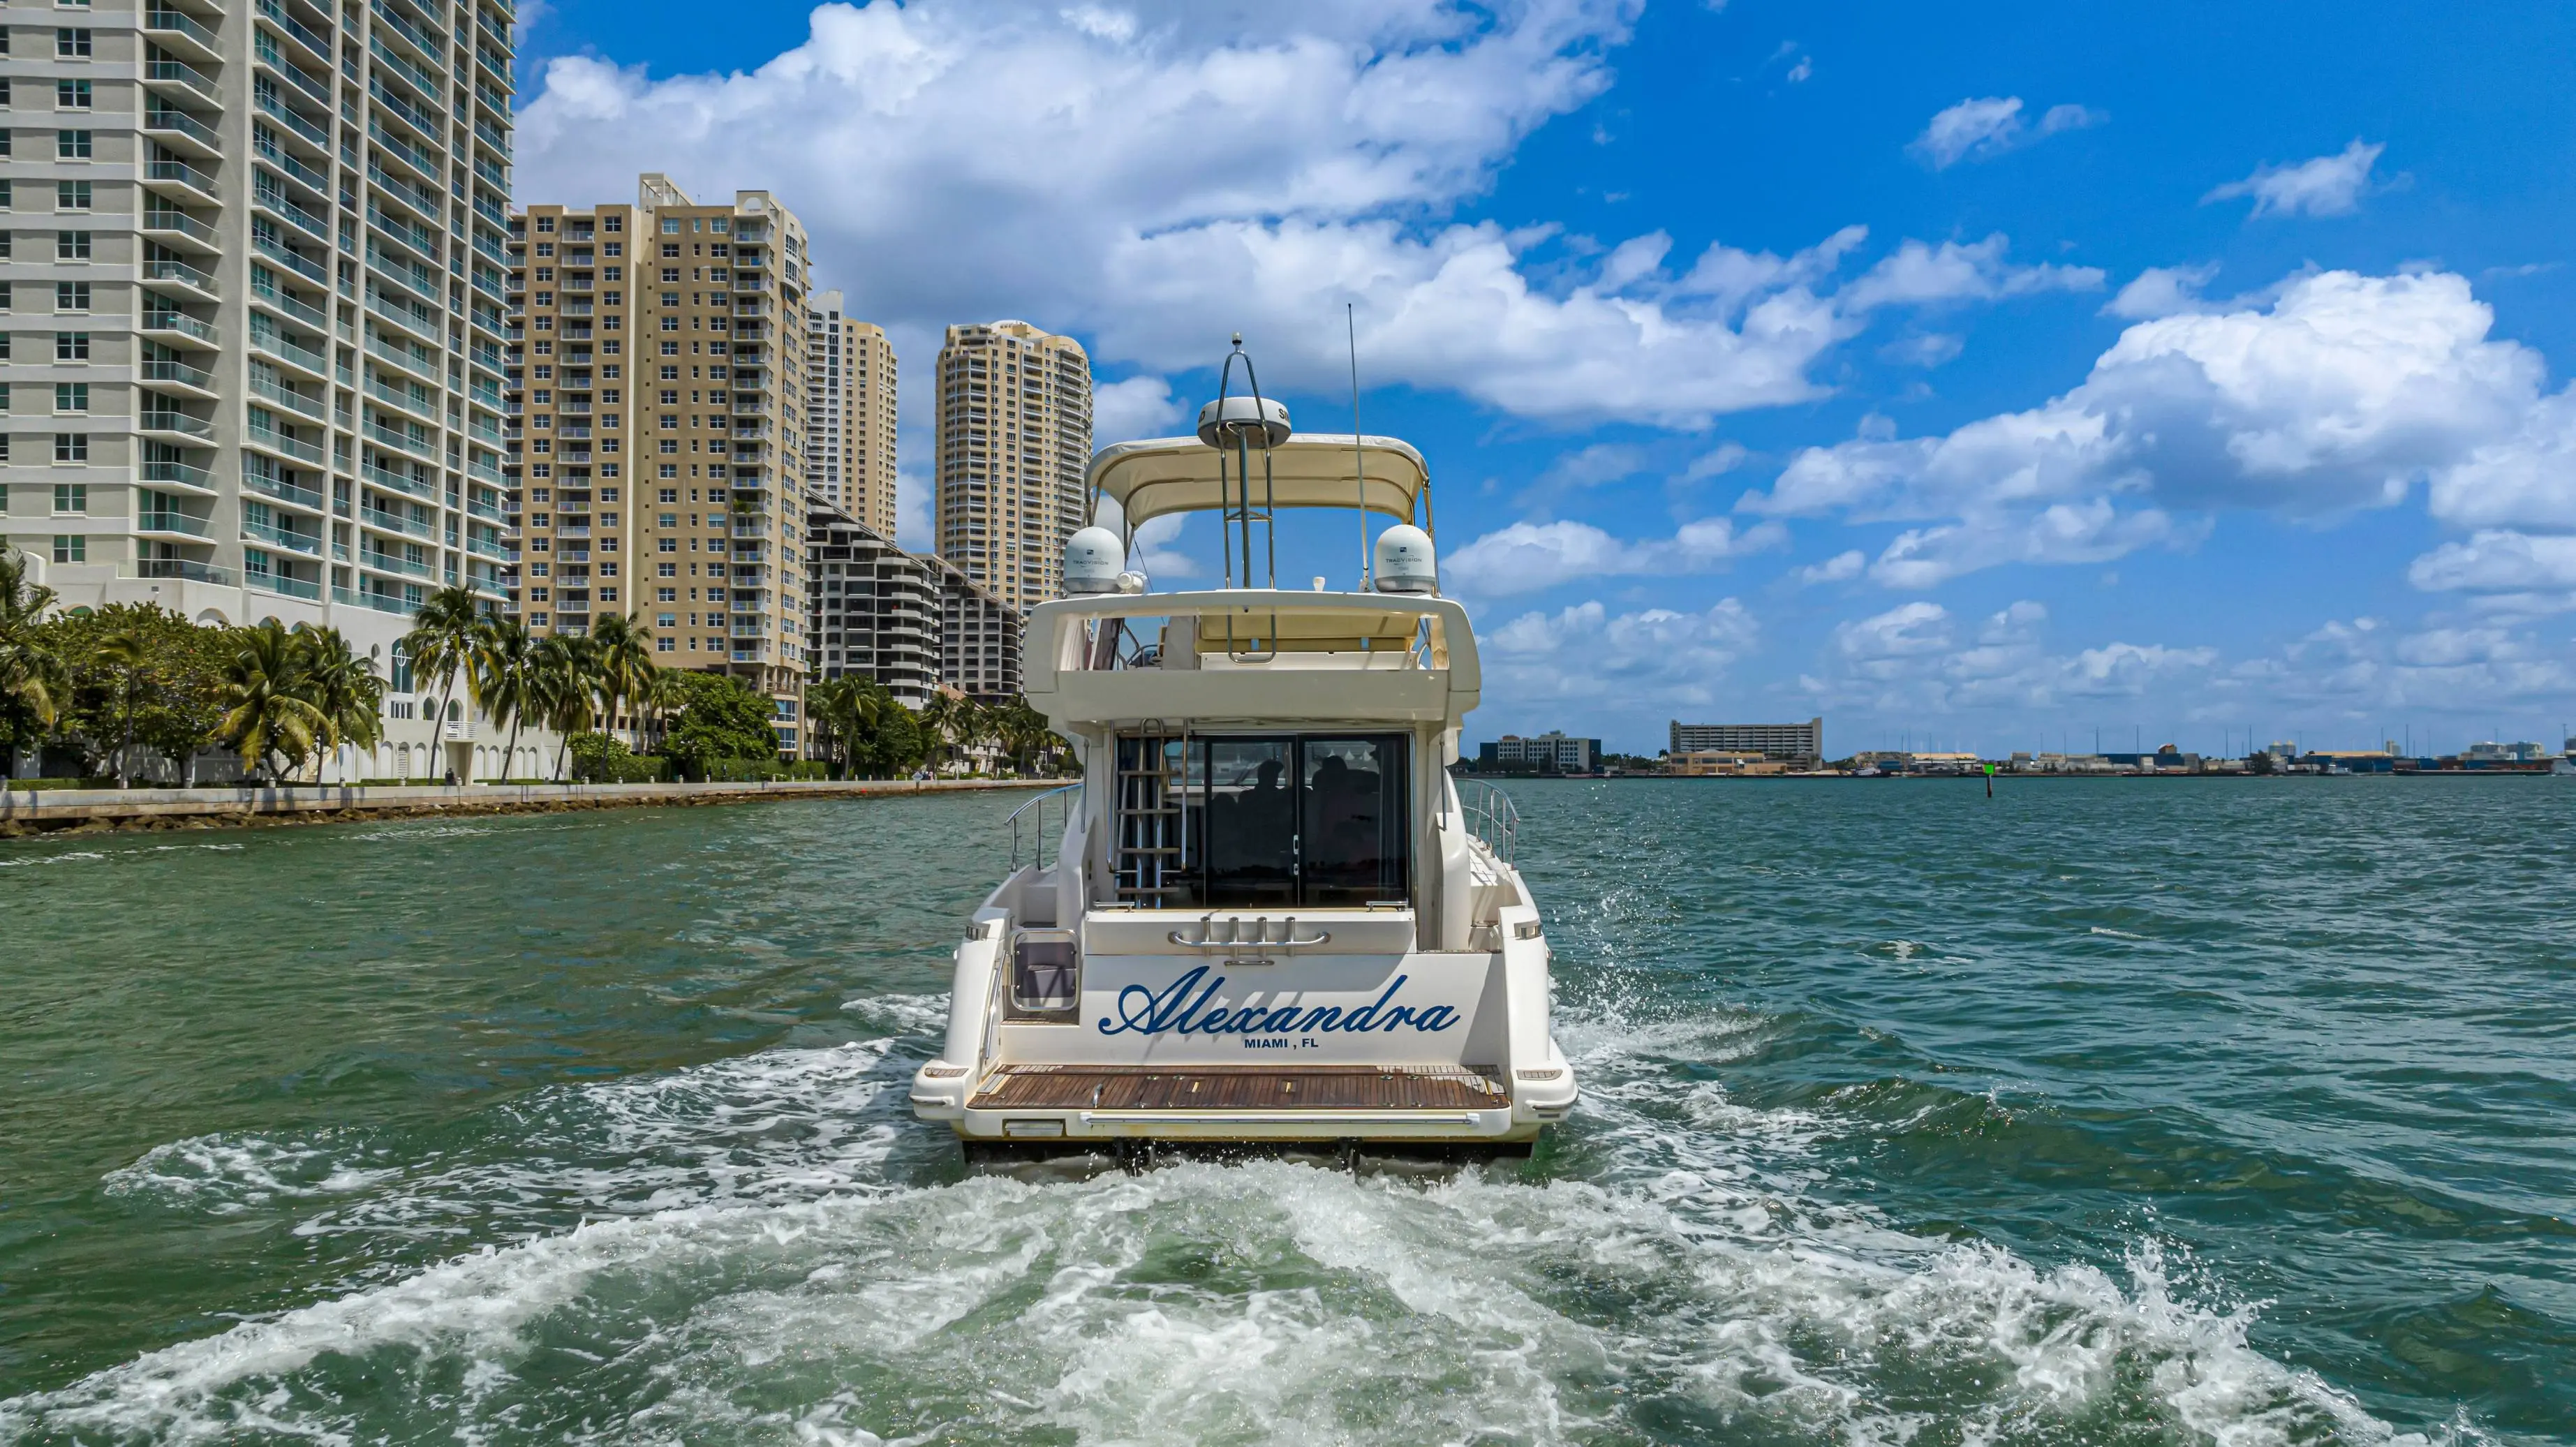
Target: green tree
{"x": 128, "y": 650}
{"x": 569, "y": 682}
{"x": 721, "y": 720}
{"x": 343, "y": 688}
{"x": 895, "y": 745}
{"x": 32, "y": 676}
{"x": 624, "y": 649}
{"x": 442, "y": 645}
{"x": 140, "y": 674}
{"x": 269, "y": 720}
{"x": 505, "y": 678}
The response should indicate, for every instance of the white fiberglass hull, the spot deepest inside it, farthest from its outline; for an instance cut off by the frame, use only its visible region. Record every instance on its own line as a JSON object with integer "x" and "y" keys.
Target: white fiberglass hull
{"x": 1172, "y": 1038}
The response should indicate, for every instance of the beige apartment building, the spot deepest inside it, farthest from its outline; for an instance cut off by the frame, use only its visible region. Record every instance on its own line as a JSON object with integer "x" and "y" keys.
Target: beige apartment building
{"x": 849, "y": 414}
{"x": 1014, "y": 445}
{"x": 658, "y": 369}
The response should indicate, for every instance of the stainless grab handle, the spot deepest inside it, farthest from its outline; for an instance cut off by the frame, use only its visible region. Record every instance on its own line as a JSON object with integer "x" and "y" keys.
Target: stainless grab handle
{"x": 1260, "y": 935}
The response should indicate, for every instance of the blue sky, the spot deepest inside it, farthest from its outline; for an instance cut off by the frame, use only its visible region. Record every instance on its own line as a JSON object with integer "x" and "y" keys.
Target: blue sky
{"x": 2173, "y": 377}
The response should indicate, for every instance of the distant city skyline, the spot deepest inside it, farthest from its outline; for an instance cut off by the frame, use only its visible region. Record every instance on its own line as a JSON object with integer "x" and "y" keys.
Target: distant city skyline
{"x": 2143, "y": 370}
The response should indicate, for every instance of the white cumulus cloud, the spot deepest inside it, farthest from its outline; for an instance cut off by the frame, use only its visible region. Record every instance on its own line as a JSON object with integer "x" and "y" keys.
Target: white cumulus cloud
{"x": 2325, "y": 186}
{"x": 2338, "y": 394}
{"x": 1527, "y": 557}
{"x": 1977, "y": 128}
{"x": 1636, "y": 667}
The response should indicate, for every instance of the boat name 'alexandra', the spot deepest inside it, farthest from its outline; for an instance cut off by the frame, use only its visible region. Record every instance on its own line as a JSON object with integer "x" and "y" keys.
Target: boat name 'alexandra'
{"x": 1173, "y": 1011}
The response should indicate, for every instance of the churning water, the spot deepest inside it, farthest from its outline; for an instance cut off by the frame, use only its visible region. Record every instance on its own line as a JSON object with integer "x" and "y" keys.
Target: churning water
{"x": 2105, "y": 1112}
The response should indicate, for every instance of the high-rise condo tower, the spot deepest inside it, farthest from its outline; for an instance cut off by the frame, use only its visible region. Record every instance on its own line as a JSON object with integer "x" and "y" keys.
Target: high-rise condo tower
{"x": 253, "y": 357}
{"x": 1014, "y": 443}
{"x": 659, "y": 351}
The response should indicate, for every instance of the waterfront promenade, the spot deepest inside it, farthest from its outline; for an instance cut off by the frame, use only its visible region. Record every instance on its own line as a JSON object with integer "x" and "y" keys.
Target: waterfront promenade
{"x": 24, "y": 811}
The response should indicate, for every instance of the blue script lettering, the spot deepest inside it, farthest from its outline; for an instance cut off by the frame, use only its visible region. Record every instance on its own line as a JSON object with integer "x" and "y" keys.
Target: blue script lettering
{"x": 1182, "y": 1008}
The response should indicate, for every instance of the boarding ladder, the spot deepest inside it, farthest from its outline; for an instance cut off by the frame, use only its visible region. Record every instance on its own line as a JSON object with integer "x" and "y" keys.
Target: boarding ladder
{"x": 1148, "y": 856}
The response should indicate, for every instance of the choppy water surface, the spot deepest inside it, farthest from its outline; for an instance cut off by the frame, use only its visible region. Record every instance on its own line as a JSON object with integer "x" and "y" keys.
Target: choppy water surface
{"x": 2106, "y": 1112}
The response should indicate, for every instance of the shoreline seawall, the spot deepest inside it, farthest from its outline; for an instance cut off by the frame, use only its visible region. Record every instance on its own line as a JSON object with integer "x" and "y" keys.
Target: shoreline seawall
{"x": 25, "y": 812}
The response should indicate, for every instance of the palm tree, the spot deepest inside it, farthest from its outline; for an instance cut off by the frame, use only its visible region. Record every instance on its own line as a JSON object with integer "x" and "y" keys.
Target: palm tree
{"x": 128, "y": 651}
{"x": 504, "y": 677}
{"x": 944, "y": 717}
{"x": 268, "y": 714}
{"x": 663, "y": 692}
{"x": 33, "y": 679}
{"x": 623, "y": 649}
{"x": 847, "y": 710}
{"x": 344, "y": 687}
{"x": 441, "y": 645}
{"x": 567, "y": 680}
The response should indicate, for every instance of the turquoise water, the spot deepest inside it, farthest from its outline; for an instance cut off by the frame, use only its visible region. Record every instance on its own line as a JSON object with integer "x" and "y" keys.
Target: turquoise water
{"x": 2105, "y": 1112}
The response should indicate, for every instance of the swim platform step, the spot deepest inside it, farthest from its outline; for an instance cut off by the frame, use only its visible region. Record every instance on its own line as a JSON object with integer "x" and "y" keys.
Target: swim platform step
{"x": 1224, "y": 1087}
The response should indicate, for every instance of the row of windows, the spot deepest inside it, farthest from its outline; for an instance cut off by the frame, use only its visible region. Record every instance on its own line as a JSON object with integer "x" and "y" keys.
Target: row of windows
{"x": 76, "y": 145}
{"x": 68, "y": 447}
{"x": 68, "y": 396}
{"x": 68, "y": 196}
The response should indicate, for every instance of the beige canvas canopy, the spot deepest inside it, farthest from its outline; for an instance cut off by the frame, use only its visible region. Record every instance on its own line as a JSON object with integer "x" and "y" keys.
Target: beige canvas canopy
{"x": 1311, "y": 469}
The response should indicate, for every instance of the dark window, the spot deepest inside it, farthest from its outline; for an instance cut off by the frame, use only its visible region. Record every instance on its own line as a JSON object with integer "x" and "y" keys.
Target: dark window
{"x": 1283, "y": 822}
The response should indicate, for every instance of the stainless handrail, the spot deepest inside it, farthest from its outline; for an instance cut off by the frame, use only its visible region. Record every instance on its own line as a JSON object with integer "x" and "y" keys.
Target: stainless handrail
{"x": 1038, "y": 852}
{"x": 1492, "y": 818}
{"x": 1260, "y": 934}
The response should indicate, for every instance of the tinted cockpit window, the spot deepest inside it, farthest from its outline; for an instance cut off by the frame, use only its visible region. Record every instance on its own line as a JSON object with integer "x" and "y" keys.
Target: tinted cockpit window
{"x": 1285, "y": 821}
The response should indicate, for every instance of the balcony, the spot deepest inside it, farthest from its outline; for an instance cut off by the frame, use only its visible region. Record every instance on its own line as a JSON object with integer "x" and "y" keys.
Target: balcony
{"x": 176, "y": 423}
{"x": 427, "y": 41}
{"x": 194, "y": 186}
{"x": 269, "y": 150}
{"x": 179, "y": 374}
{"x": 288, "y": 397}
{"x": 172, "y": 523}
{"x": 296, "y": 30}
{"x": 369, "y": 598}
{"x": 278, "y": 252}
{"x": 270, "y": 196}
{"x": 183, "y": 35}
{"x": 178, "y": 474}
{"x": 292, "y": 353}
{"x": 306, "y": 543}
{"x": 392, "y": 481}
{"x": 421, "y": 408}
{"x": 282, "y": 490}
{"x": 305, "y": 312}
{"x": 270, "y": 104}
{"x": 286, "y": 583}
{"x": 492, "y": 137}
{"x": 423, "y": 448}
{"x": 277, "y": 441}
{"x": 186, "y": 570}
{"x": 376, "y": 517}
{"x": 420, "y": 118}
{"x": 168, "y": 224}
{"x": 425, "y": 370}
{"x": 419, "y": 76}
{"x": 384, "y": 562}
{"x": 265, "y": 49}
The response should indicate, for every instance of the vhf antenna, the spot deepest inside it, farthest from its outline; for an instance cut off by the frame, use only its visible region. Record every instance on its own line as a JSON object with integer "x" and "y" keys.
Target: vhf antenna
{"x": 1359, "y": 462}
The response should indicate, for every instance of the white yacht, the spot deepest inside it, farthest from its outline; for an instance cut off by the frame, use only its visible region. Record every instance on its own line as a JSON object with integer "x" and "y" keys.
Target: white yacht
{"x": 1269, "y": 918}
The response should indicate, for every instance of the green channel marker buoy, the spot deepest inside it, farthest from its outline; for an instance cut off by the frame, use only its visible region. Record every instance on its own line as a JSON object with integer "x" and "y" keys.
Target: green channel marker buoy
{"x": 1990, "y": 781}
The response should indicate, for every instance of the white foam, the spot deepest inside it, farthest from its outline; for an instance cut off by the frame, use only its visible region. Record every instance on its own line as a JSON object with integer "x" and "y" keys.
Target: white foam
{"x": 73, "y": 856}
{"x": 766, "y": 1281}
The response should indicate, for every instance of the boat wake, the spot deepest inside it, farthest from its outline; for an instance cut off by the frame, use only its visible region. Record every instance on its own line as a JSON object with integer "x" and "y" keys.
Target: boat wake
{"x": 765, "y": 1247}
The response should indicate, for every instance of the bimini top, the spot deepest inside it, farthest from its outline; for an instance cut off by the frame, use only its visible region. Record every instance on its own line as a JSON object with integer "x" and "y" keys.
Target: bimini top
{"x": 1311, "y": 469}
